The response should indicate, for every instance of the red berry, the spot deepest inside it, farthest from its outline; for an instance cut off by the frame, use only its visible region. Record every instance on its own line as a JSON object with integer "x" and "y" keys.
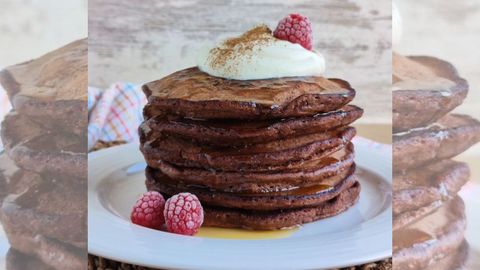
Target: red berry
{"x": 148, "y": 210}
{"x": 296, "y": 29}
{"x": 183, "y": 214}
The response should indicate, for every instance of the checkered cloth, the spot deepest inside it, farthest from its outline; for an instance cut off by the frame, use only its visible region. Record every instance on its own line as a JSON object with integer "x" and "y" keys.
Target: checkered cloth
{"x": 115, "y": 114}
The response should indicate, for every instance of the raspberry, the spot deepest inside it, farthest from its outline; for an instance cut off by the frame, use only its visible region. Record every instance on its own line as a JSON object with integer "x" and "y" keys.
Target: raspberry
{"x": 148, "y": 210}
{"x": 296, "y": 29}
{"x": 183, "y": 214}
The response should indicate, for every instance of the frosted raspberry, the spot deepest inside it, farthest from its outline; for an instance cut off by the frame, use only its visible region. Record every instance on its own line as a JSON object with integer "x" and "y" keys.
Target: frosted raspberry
{"x": 183, "y": 214}
{"x": 296, "y": 29}
{"x": 148, "y": 210}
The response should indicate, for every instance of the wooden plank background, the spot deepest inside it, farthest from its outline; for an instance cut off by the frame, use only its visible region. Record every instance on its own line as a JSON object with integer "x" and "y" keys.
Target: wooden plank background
{"x": 138, "y": 41}
{"x": 449, "y": 30}
{"x": 31, "y": 28}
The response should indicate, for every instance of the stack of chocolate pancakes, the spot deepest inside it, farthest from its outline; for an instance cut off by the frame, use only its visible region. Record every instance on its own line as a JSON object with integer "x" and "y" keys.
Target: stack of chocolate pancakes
{"x": 429, "y": 216}
{"x": 259, "y": 154}
{"x": 44, "y": 166}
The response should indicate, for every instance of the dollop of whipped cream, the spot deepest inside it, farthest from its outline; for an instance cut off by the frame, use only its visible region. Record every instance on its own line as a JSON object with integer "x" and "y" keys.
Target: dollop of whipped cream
{"x": 396, "y": 26}
{"x": 257, "y": 54}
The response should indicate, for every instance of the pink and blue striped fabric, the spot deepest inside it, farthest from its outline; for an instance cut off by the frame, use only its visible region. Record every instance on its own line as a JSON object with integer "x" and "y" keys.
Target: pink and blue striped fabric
{"x": 115, "y": 113}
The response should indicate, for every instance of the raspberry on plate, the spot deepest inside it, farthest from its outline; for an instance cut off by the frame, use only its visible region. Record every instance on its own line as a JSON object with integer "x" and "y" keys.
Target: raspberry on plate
{"x": 296, "y": 29}
{"x": 183, "y": 214}
{"x": 148, "y": 210}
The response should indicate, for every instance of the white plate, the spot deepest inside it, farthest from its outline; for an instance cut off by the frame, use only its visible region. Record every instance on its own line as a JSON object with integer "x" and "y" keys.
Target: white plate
{"x": 361, "y": 234}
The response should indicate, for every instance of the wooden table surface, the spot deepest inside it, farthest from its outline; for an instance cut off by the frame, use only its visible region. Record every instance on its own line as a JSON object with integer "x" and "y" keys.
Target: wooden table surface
{"x": 138, "y": 41}
{"x": 31, "y": 28}
{"x": 448, "y": 30}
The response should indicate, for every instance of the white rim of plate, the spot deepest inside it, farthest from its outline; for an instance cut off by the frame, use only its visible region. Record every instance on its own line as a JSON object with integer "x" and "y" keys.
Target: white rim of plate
{"x": 184, "y": 252}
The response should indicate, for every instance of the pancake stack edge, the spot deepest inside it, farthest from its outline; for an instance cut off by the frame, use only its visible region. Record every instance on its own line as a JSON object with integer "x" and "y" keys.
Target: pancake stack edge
{"x": 252, "y": 162}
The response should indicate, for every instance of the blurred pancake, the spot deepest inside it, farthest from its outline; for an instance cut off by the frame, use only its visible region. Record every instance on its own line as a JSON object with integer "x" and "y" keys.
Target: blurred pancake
{"x": 52, "y": 87}
{"x": 455, "y": 261}
{"x": 450, "y": 136}
{"x": 425, "y": 89}
{"x": 422, "y": 186}
{"x": 39, "y": 150}
{"x": 15, "y": 260}
{"x": 430, "y": 239}
{"x": 49, "y": 251}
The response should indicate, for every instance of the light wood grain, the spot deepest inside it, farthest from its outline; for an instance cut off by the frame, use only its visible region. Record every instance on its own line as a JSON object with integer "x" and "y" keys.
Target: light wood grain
{"x": 139, "y": 41}
{"x": 31, "y": 28}
{"x": 449, "y": 30}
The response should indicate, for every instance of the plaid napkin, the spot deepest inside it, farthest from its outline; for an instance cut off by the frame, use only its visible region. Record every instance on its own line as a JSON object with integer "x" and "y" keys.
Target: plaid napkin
{"x": 115, "y": 113}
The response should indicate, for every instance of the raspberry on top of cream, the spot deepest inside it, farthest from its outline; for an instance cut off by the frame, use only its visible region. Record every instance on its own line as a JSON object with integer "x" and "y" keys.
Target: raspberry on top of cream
{"x": 258, "y": 54}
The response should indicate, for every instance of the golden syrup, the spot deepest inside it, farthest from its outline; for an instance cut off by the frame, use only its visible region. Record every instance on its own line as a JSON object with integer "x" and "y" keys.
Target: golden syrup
{"x": 242, "y": 234}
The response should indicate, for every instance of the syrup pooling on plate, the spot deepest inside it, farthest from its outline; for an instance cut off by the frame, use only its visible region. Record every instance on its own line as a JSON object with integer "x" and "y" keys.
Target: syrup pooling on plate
{"x": 241, "y": 234}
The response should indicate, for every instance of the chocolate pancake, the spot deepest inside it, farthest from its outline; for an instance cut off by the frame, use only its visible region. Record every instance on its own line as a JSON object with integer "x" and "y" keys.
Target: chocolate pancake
{"x": 310, "y": 173}
{"x": 430, "y": 239}
{"x": 193, "y": 93}
{"x": 452, "y": 135}
{"x": 15, "y": 260}
{"x": 2, "y": 186}
{"x": 7, "y": 169}
{"x": 272, "y": 220}
{"x": 39, "y": 150}
{"x": 403, "y": 219}
{"x": 52, "y": 86}
{"x": 295, "y": 198}
{"x": 250, "y": 158}
{"x": 49, "y": 251}
{"x": 427, "y": 184}
{"x": 425, "y": 89}
{"x": 50, "y": 206}
{"x": 455, "y": 261}
{"x": 238, "y": 133}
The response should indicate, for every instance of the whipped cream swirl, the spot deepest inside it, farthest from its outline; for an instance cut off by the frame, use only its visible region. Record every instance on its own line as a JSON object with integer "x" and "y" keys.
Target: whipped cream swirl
{"x": 257, "y": 54}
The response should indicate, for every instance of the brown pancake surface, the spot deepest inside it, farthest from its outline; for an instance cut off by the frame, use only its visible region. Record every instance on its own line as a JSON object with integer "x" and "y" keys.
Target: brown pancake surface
{"x": 272, "y": 220}
{"x": 15, "y": 260}
{"x": 51, "y": 206}
{"x": 311, "y": 172}
{"x": 267, "y": 155}
{"x": 53, "y": 86}
{"x": 431, "y": 238}
{"x": 193, "y": 93}
{"x": 275, "y": 200}
{"x": 50, "y": 252}
{"x": 422, "y": 186}
{"x": 235, "y": 133}
{"x": 39, "y": 150}
{"x": 450, "y": 136}
{"x": 425, "y": 89}
{"x": 455, "y": 261}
